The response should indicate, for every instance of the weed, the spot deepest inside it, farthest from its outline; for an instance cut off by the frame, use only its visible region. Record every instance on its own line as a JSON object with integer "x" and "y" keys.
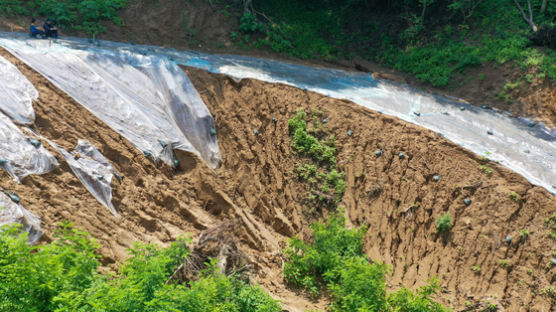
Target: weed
{"x": 549, "y": 292}
{"x": 476, "y": 269}
{"x": 530, "y": 271}
{"x": 550, "y": 222}
{"x": 444, "y": 223}
{"x": 505, "y": 264}
{"x": 523, "y": 235}
{"x": 514, "y": 196}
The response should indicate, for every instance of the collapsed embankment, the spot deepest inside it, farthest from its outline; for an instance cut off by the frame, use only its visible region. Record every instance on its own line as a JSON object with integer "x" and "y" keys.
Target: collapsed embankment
{"x": 256, "y": 185}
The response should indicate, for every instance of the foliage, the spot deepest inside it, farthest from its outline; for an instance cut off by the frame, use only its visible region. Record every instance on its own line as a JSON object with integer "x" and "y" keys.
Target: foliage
{"x": 444, "y": 223}
{"x": 550, "y": 222}
{"x": 435, "y": 40}
{"x": 80, "y": 15}
{"x": 324, "y": 179}
{"x": 63, "y": 276}
{"x": 304, "y": 142}
{"x": 335, "y": 258}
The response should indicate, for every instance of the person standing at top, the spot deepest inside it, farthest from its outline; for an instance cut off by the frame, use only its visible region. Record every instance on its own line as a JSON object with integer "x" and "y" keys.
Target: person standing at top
{"x": 35, "y": 31}
{"x": 49, "y": 29}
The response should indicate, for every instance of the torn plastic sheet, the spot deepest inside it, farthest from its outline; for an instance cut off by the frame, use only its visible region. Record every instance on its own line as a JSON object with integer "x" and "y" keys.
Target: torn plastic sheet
{"x": 92, "y": 169}
{"x": 16, "y": 94}
{"x": 147, "y": 99}
{"x": 518, "y": 144}
{"x": 20, "y": 155}
{"x": 11, "y": 212}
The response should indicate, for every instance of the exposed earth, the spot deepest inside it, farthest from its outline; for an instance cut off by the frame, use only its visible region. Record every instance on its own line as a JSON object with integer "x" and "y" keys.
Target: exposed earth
{"x": 257, "y": 188}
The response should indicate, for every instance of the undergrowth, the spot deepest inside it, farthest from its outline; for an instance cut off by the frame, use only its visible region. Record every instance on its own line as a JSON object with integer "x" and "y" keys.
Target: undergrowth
{"x": 335, "y": 260}
{"x": 63, "y": 276}
{"x": 435, "y": 49}
{"x": 80, "y": 15}
{"x": 318, "y": 169}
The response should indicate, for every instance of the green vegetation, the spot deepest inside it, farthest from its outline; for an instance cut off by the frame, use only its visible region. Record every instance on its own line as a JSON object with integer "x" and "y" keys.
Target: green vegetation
{"x": 326, "y": 183}
{"x": 434, "y": 40}
{"x": 80, "y": 15}
{"x": 444, "y": 223}
{"x": 523, "y": 235}
{"x": 476, "y": 269}
{"x": 335, "y": 260}
{"x": 550, "y": 222}
{"x": 514, "y": 196}
{"x": 63, "y": 276}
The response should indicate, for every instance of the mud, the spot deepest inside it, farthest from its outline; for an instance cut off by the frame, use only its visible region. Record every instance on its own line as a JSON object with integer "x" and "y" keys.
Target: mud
{"x": 256, "y": 187}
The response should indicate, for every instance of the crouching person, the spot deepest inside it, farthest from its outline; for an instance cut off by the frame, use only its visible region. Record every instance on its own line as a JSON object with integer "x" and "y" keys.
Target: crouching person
{"x": 49, "y": 29}
{"x": 35, "y": 32}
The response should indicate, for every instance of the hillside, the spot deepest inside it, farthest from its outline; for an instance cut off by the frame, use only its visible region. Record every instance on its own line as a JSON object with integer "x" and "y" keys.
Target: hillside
{"x": 429, "y": 208}
{"x": 486, "y": 58}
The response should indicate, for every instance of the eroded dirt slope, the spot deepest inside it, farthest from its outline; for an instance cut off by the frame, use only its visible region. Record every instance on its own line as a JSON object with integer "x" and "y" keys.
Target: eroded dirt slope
{"x": 256, "y": 186}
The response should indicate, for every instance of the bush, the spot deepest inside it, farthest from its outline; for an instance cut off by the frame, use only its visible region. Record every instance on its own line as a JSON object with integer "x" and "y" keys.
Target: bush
{"x": 325, "y": 178}
{"x": 63, "y": 276}
{"x": 335, "y": 259}
{"x": 444, "y": 223}
{"x": 81, "y": 15}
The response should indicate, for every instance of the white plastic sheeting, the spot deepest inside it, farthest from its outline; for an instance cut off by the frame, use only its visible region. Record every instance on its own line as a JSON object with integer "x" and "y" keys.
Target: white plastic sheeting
{"x": 147, "y": 99}
{"x": 522, "y": 146}
{"x": 11, "y": 212}
{"x": 18, "y": 156}
{"x": 16, "y": 94}
{"x": 92, "y": 169}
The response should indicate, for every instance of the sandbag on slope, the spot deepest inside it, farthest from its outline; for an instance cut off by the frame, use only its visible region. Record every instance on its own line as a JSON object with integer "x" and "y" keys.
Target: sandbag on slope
{"x": 148, "y": 100}
{"x": 21, "y": 156}
{"x": 16, "y": 94}
{"x": 11, "y": 212}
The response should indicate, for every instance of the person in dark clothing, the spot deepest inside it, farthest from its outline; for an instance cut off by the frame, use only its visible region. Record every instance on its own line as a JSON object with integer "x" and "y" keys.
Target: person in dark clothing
{"x": 35, "y": 32}
{"x": 49, "y": 29}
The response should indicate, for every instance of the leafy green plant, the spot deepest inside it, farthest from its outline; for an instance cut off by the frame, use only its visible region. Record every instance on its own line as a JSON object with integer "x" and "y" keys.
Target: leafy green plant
{"x": 250, "y": 24}
{"x": 63, "y": 276}
{"x": 327, "y": 183}
{"x": 335, "y": 259}
{"x": 550, "y": 222}
{"x": 514, "y": 196}
{"x": 444, "y": 223}
{"x": 523, "y": 235}
{"x": 476, "y": 269}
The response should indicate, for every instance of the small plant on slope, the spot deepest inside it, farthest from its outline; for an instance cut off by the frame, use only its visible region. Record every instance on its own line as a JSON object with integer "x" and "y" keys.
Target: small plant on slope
{"x": 444, "y": 223}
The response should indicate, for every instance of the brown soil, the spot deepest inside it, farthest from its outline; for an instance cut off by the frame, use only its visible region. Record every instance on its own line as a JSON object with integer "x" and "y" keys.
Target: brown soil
{"x": 256, "y": 186}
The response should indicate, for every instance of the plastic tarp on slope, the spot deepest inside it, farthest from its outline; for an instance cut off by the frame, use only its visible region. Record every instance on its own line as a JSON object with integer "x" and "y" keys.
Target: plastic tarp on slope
{"x": 19, "y": 155}
{"x": 11, "y": 212}
{"x": 518, "y": 144}
{"x": 92, "y": 169}
{"x": 147, "y": 99}
{"x": 16, "y": 94}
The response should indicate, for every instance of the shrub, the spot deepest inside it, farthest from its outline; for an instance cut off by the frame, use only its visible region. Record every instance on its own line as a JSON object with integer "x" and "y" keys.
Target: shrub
{"x": 336, "y": 259}
{"x": 63, "y": 276}
{"x": 444, "y": 223}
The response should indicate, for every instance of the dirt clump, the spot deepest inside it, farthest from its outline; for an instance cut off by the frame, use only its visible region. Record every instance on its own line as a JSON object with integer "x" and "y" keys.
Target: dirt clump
{"x": 257, "y": 188}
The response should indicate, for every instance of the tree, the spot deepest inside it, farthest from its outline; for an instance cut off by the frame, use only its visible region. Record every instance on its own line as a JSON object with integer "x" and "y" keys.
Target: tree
{"x": 543, "y": 6}
{"x": 528, "y": 19}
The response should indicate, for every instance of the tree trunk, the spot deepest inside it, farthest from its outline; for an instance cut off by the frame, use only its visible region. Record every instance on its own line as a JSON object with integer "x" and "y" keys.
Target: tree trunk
{"x": 543, "y": 6}
{"x": 529, "y": 19}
